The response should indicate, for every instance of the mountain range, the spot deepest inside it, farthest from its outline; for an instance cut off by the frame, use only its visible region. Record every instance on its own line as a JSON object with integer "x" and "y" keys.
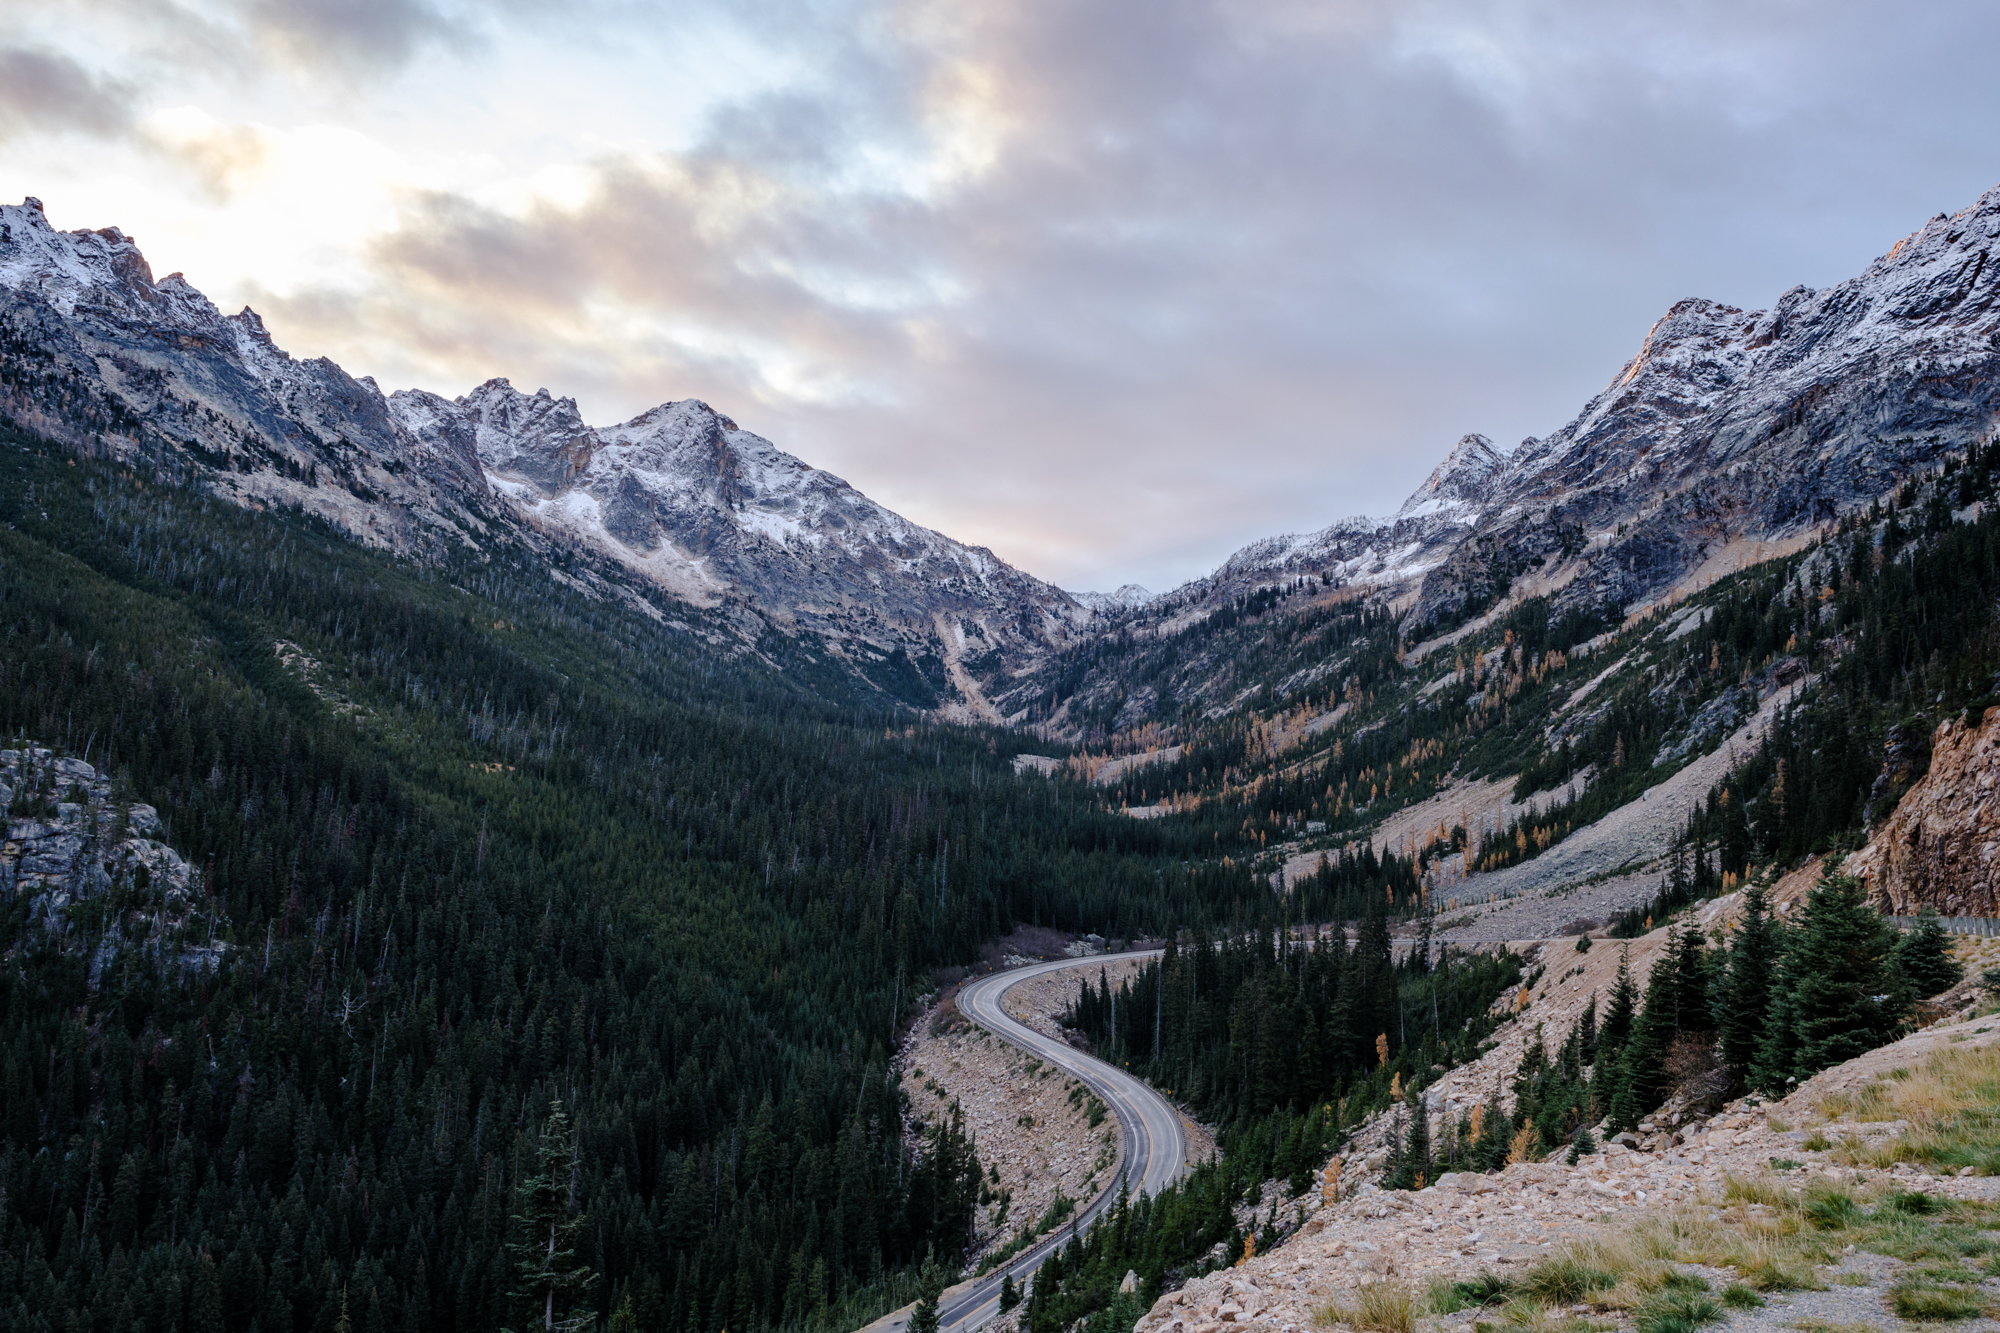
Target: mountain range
{"x": 1731, "y": 435}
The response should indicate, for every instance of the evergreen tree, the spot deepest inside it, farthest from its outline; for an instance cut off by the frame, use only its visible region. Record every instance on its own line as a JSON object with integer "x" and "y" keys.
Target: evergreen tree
{"x": 1676, "y": 1005}
{"x": 1923, "y": 957}
{"x": 1744, "y": 998}
{"x": 924, "y": 1319}
{"x": 1839, "y": 992}
{"x": 1410, "y": 1164}
{"x": 549, "y": 1276}
{"x": 1616, "y": 1027}
{"x": 1609, "y": 1095}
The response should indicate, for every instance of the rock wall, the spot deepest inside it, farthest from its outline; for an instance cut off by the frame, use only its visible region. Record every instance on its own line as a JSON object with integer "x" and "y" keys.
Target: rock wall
{"x": 1941, "y": 847}
{"x": 96, "y": 876}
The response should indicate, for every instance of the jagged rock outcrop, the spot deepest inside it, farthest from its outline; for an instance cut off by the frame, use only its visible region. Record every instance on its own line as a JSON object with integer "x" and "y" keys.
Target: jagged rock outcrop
{"x": 95, "y": 352}
{"x": 96, "y": 876}
{"x": 1941, "y": 847}
{"x": 1733, "y": 425}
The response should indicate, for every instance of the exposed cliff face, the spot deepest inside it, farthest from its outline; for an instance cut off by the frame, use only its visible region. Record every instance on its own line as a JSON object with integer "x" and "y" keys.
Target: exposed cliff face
{"x": 95, "y": 352}
{"x": 93, "y": 870}
{"x": 1941, "y": 847}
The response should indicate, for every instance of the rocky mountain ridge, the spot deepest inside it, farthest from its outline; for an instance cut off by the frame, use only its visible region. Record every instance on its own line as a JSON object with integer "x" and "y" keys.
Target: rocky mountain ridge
{"x": 1730, "y": 436}
{"x": 679, "y": 504}
{"x": 1727, "y": 427}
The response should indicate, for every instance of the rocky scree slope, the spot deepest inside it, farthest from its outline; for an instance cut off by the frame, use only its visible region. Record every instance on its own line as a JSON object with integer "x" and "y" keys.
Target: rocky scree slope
{"x": 678, "y": 501}
{"x": 1354, "y": 1234}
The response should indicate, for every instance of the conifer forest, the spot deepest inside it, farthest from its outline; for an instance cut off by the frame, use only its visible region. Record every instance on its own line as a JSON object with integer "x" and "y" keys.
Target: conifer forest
{"x": 549, "y": 960}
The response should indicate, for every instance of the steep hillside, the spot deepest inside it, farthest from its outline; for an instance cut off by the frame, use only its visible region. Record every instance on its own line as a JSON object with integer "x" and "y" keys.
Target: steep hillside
{"x": 1730, "y": 438}
{"x": 331, "y": 878}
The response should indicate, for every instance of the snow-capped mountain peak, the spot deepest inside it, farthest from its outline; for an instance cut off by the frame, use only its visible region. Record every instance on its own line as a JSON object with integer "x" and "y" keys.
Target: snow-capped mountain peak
{"x": 1128, "y": 596}
{"x": 1463, "y": 481}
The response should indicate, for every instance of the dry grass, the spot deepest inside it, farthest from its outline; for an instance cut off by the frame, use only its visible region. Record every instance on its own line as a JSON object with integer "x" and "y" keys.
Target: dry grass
{"x": 1952, "y": 1104}
{"x": 1389, "y": 1307}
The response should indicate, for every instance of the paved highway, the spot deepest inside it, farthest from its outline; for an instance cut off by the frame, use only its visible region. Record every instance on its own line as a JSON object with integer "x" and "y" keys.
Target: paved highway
{"x": 1154, "y": 1149}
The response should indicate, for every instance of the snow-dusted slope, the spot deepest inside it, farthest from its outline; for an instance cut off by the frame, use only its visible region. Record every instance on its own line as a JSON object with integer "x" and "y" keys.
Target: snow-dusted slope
{"x": 1128, "y": 597}
{"x": 1735, "y": 426}
{"x": 1378, "y": 554}
{"x": 684, "y": 496}
{"x": 1728, "y": 428}
{"x": 95, "y": 351}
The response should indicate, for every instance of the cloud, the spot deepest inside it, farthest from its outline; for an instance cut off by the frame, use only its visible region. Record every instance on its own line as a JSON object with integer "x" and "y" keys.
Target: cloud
{"x": 45, "y": 90}
{"x": 221, "y": 158}
{"x": 348, "y": 36}
{"x": 1116, "y": 287}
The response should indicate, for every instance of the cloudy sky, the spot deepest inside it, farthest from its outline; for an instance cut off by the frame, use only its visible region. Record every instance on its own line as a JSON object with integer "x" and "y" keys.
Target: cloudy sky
{"x": 1111, "y": 286}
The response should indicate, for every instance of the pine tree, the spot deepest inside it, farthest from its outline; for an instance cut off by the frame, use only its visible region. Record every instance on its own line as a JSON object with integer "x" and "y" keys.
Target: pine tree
{"x": 1410, "y": 1159}
{"x": 549, "y": 1276}
{"x": 1839, "y": 993}
{"x": 1616, "y": 1027}
{"x": 930, "y": 1287}
{"x": 1676, "y": 1007}
{"x": 1923, "y": 957}
{"x": 1744, "y": 999}
{"x": 1010, "y": 1295}
{"x": 1614, "y": 1031}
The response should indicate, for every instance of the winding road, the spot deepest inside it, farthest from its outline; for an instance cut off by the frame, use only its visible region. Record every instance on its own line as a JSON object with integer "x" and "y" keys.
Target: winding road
{"x": 1153, "y": 1146}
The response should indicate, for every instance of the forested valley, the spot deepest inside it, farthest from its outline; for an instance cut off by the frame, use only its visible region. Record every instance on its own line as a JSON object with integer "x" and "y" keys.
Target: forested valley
{"x": 490, "y": 858}
{"x": 533, "y": 913}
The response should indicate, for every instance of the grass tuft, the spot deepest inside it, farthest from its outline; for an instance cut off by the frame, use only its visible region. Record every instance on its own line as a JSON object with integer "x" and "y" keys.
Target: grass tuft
{"x": 1832, "y": 1210}
{"x": 1913, "y": 1203}
{"x": 1922, "y": 1301}
{"x": 1739, "y": 1297}
{"x": 1388, "y": 1307}
{"x": 1484, "y": 1290}
{"x": 1566, "y": 1279}
{"x": 1677, "y": 1309}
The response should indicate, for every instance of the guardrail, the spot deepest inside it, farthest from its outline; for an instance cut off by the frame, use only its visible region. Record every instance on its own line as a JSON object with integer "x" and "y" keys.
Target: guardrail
{"x": 1957, "y": 925}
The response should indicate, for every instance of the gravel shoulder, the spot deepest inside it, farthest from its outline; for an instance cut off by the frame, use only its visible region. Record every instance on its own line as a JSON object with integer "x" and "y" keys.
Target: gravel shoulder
{"x": 1029, "y": 1122}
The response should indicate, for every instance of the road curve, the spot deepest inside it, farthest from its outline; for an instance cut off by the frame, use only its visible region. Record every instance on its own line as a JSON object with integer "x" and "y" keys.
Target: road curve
{"x": 1154, "y": 1148}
